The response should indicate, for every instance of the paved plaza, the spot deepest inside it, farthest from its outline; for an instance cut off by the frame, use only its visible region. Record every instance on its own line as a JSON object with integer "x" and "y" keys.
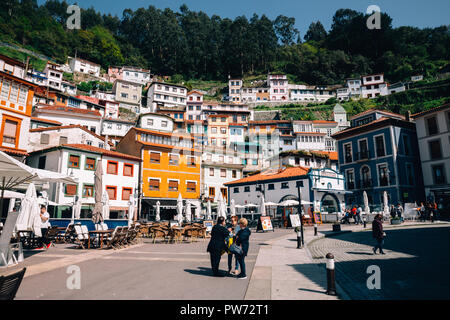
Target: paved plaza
{"x": 414, "y": 267}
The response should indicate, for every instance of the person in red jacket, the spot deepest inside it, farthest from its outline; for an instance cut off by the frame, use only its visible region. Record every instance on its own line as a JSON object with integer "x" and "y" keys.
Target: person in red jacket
{"x": 377, "y": 233}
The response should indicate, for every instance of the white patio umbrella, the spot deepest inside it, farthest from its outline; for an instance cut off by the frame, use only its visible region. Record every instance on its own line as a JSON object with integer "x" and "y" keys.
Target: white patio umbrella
{"x": 131, "y": 210}
{"x": 29, "y": 218}
{"x": 208, "y": 211}
{"x": 271, "y": 204}
{"x": 288, "y": 203}
{"x": 188, "y": 211}
{"x": 158, "y": 211}
{"x": 105, "y": 203}
{"x": 76, "y": 210}
{"x": 250, "y": 205}
{"x": 224, "y": 206}
{"x": 233, "y": 208}
{"x": 97, "y": 214}
{"x": 263, "y": 207}
{"x": 366, "y": 203}
{"x": 385, "y": 203}
{"x": 15, "y": 174}
{"x": 179, "y": 208}
{"x": 221, "y": 208}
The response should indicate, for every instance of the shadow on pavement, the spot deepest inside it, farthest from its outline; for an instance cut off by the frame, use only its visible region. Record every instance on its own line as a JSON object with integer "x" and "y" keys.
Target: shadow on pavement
{"x": 415, "y": 266}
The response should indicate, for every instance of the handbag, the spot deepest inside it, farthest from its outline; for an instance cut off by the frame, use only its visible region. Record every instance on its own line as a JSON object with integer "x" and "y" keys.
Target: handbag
{"x": 234, "y": 249}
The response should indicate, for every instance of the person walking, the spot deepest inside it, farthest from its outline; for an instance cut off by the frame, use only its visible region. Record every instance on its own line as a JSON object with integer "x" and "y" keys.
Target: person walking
{"x": 422, "y": 212}
{"x": 378, "y": 234}
{"x": 393, "y": 211}
{"x": 234, "y": 228}
{"x": 346, "y": 217}
{"x": 45, "y": 224}
{"x": 357, "y": 216}
{"x": 217, "y": 244}
{"x": 399, "y": 211}
{"x": 242, "y": 239}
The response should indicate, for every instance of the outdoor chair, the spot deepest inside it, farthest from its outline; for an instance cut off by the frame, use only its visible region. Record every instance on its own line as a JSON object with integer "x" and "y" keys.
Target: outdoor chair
{"x": 123, "y": 237}
{"x": 81, "y": 237}
{"x": 52, "y": 234}
{"x": 159, "y": 232}
{"x": 67, "y": 235}
{"x": 175, "y": 234}
{"x": 10, "y": 284}
{"x": 112, "y": 242}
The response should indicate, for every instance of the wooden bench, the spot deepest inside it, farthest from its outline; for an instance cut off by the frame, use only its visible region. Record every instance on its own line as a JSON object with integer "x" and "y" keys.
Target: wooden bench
{"x": 10, "y": 284}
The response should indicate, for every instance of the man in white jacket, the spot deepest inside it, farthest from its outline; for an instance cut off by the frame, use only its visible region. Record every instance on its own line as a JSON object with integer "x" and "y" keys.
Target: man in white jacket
{"x": 45, "y": 224}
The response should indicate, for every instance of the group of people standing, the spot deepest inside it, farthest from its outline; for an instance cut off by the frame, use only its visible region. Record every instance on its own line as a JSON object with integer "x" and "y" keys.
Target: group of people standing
{"x": 223, "y": 236}
{"x": 354, "y": 213}
{"x": 396, "y": 212}
{"x": 428, "y": 211}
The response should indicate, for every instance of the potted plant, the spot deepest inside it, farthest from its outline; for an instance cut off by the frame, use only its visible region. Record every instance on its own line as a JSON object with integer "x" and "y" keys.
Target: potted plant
{"x": 396, "y": 220}
{"x": 336, "y": 226}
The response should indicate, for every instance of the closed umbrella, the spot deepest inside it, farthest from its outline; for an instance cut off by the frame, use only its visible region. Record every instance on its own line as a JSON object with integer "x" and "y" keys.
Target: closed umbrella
{"x": 29, "y": 215}
{"x": 77, "y": 208}
{"x": 131, "y": 210}
{"x": 233, "y": 208}
{"x": 220, "y": 212}
{"x": 263, "y": 207}
{"x": 97, "y": 216}
{"x": 366, "y": 203}
{"x": 385, "y": 202}
{"x": 208, "y": 211}
{"x": 158, "y": 211}
{"x": 188, "y": 211}
{"x": 105, "y": 203}
{"x": 197, "y": 212}
{"x": 180, "y": 208}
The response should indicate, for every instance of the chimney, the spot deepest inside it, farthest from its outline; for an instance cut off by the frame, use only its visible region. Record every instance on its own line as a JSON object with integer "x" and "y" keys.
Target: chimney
{"x": 408, "y": 116}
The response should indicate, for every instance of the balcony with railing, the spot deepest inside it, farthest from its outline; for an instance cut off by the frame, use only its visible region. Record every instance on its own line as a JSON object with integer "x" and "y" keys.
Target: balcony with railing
{"x": 363, "y": 155}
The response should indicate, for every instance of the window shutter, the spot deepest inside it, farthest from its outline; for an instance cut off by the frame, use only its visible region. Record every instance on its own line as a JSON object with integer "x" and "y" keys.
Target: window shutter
{"x": 10, "y": 128}
{"x": 155, "y": 157}
{"x": 90, "y": 163}
{"x": 112, "y": 167}
{"x": 71, "y": 189}
{"x": 45, "y": 138}
{"x": 128, "y": 170}
{"x": 126, "y": 194}
{"x": 154, "y": 183}
{"x": 111, "y": 193}
{"x": 173, "y": 185}
{"x": 191, "y": 186}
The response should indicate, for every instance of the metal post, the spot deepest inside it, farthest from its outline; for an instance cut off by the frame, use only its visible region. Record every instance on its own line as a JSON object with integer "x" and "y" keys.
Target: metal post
{"x": 300, "y": 184}
{"x": 331, "y": 287}
{"x": 364, "y": 221}
{"x": 315, "y": 229}
{"x": 299, "y": 238}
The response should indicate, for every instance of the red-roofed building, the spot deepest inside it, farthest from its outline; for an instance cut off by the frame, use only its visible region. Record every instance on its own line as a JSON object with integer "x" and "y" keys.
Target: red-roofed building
{"x": 89, "y": 119}
{"x": 16, "y": 102}
{"x": 320, "y": 190}
{"x": 119, "y": 179}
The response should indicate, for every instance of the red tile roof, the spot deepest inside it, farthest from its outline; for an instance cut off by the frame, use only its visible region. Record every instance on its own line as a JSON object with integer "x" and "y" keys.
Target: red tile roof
{"x": 46, "y": 120}
{"x": 89, "y": 99}
{"x": 69, "y": 110}
{"x": 422, "y": 113}
{"x": 68, "y": 127}
{"x": 269, "y": 175}
{"x": 376, "y": 110}
{"x": 324, "y": 122}
{"x": 104, "y": 152}
{"x": 14, "y": 152}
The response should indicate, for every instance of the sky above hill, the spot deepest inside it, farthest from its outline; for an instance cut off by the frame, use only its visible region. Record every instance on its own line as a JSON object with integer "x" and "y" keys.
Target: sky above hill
{"x": 417, "y": 13}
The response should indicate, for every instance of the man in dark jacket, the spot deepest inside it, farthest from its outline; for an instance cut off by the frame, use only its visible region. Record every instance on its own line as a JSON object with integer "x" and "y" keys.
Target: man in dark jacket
{"x": 377, "y": 233}
{"x": 242, "y": 239}
{"x": 217, "y": 244}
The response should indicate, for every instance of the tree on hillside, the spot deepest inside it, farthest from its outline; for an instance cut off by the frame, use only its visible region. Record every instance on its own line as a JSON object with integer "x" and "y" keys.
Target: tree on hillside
{"x": 316, "y": 32}
{"x": 285, "y": 30}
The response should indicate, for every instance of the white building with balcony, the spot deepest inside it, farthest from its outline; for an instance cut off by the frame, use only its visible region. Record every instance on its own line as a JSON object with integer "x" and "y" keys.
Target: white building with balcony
{"x": 167, "y": 95}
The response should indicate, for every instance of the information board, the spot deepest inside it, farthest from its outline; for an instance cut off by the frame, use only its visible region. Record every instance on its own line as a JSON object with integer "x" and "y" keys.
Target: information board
{"x": 317, "y": 217}
{"x": 266, "y": 223}
{"x": 295, "y": 220}
{"x": 208, "y": 224}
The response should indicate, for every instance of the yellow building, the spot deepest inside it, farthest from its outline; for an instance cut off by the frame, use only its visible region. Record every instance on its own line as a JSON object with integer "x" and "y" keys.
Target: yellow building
{"x": 170, "y": 166}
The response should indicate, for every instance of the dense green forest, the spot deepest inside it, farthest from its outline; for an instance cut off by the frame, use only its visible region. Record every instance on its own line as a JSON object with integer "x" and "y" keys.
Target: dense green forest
{"x": 197, "y": 46}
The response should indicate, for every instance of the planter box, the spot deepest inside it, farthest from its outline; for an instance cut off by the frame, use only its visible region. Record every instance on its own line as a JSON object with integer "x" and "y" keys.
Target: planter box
{"x": 336, "y": 227}
{"x": 394, "y": 222}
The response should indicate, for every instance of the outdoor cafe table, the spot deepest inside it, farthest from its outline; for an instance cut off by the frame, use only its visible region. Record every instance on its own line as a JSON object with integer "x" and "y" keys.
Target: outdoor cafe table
{"x": 101, "y": 233}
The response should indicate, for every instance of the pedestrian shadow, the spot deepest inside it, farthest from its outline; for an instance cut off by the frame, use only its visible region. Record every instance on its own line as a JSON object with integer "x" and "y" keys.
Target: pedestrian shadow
{"x": 200, "y": 271}
{"x": 314, "y": 273}
{"x": 360, "y": 253}
{"x": 310, "y": 290}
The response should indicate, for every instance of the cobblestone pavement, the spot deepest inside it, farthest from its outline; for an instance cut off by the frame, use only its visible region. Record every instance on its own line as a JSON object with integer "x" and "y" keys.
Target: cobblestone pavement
{"x": 415, "y": 265}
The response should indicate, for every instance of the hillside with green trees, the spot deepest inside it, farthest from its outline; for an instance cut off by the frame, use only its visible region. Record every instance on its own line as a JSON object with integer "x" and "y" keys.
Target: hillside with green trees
{"x": 195, "y": 46}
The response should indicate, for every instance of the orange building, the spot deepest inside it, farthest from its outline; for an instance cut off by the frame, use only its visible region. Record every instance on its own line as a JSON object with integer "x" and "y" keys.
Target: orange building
{"x": 170, "y": 166}
{"x": 16, "y": 103}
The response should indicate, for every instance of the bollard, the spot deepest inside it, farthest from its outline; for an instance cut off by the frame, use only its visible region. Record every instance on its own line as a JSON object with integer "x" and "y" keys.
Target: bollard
{"x": 364, "y": 222}
{"x": 299, "y": 239}
{"x": 331, "y": 287}
{"x": 315, "y": 229}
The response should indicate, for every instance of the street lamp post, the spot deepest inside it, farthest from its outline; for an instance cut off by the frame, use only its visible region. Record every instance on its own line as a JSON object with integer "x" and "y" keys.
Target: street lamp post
{"x": 299, "y": 185}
